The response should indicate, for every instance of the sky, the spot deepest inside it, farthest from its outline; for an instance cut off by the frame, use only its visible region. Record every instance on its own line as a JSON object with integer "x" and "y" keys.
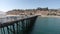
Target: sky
{"x": 6, "y": 5}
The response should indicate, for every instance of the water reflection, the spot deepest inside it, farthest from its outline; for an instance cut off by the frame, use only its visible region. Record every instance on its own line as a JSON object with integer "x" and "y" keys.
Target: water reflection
{"x": 47, "y": 25}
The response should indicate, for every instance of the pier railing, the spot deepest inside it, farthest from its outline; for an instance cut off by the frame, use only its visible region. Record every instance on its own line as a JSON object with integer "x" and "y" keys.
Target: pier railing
{"x": 21, "y": 26}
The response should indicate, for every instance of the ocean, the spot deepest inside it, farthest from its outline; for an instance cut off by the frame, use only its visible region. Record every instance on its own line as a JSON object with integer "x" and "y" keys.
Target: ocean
{"x": 46, "y": 25}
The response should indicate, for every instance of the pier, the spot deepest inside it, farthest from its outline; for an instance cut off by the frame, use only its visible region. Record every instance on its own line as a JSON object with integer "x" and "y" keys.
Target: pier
{"x": 18, "y": 26}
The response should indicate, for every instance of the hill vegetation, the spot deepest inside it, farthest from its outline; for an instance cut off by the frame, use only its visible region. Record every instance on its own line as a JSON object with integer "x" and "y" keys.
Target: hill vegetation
{"x": 39, "y": 11}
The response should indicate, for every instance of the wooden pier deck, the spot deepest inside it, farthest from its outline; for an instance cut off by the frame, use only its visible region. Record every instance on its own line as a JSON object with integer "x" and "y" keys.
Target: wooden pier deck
{"x": 18, "y": 26}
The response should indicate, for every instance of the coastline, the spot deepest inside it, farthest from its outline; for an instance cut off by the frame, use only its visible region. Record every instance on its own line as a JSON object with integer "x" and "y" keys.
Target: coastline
{"x": 51, "y": 16}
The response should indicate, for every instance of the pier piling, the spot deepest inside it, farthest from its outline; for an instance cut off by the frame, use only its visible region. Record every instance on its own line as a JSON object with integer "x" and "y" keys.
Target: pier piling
{"x": 21, "y": 26}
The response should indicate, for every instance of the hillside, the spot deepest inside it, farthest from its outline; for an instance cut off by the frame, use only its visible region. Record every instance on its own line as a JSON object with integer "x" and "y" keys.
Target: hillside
{"x": 38, "y": 11}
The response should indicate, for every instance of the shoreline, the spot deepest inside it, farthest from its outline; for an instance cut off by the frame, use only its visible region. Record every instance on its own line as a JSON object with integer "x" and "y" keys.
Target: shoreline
{"x": 51, "y": 16}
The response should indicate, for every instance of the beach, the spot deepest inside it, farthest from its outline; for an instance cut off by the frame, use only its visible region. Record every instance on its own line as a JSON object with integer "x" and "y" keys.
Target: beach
{"x": 51, "y": 16}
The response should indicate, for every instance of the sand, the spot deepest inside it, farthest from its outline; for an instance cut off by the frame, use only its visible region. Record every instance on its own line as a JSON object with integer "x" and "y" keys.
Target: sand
{"x": 51, "y": 16}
